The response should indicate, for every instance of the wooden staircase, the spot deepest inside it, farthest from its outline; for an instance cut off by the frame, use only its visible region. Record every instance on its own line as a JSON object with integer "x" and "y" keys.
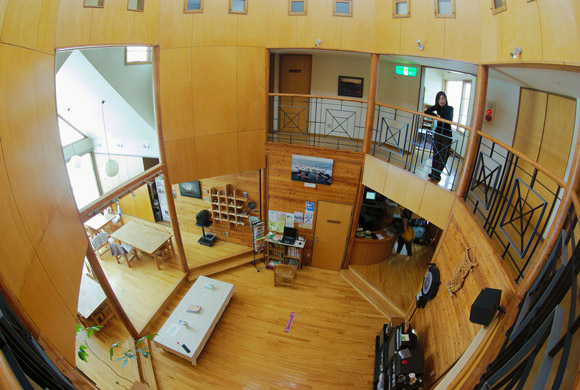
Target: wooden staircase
{"x": 222, "y": 265}
{"x": 377, "y": 298}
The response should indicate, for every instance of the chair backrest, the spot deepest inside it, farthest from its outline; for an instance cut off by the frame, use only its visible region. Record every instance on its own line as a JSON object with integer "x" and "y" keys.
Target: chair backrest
{"x": 99, "y": 240}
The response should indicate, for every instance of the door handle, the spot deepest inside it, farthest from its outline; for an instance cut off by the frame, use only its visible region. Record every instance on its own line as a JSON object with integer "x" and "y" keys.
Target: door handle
{"x": 315, "y": 239}
{"x": 332, "y": 221}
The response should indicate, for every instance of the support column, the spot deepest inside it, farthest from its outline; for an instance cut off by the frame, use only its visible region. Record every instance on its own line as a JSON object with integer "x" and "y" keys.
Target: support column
{"x": 181, "y": 259}
{"x": 470, "y": 157}
{"x": 111, "y": 297}
{"x": 368, "y": 134}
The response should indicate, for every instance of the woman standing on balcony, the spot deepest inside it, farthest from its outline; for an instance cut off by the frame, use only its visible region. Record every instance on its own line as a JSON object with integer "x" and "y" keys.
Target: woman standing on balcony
{"x": 442, "y": 137}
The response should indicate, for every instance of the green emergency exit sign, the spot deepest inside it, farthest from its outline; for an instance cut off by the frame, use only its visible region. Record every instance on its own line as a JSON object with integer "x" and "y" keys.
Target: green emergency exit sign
{"x": 406, "y": 71}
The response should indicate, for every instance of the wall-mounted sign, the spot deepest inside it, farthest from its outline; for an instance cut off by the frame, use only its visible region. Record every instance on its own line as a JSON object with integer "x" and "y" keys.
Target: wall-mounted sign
{"x": 406, "y": 70}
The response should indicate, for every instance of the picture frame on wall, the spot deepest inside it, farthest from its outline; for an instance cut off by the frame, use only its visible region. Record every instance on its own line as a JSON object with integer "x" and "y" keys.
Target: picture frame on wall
{"x": 350, "y": 86}
{"x": 310, "y": 169}
{"x": 190, "y": 189}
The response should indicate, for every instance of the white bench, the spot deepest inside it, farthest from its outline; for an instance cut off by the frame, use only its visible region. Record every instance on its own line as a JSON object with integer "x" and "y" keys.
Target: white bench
{"x": 174, "y": 334}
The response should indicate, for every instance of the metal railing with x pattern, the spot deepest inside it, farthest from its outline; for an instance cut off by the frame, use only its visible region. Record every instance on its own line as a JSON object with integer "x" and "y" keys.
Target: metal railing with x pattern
{"x": 317, "y": 121}
{"x": 513, "y": 199}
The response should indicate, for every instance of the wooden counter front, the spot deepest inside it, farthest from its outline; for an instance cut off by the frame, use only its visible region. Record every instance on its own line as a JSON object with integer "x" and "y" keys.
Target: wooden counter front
{"x": 367, "y": 251}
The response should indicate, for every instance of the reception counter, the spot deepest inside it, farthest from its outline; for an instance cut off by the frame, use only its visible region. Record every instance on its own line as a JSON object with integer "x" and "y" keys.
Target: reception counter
{"x": 367, "y": 251}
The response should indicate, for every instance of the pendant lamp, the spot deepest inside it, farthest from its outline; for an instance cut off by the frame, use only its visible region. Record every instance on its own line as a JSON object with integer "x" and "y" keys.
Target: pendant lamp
{"x": 111, "y": 166}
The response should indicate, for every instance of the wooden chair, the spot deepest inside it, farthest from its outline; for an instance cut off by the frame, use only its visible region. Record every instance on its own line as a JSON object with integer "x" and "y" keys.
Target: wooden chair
{"x": 284, "y": 274}
{"x": 164, "y": 254}
{"x": 124, "y": 250}
{"x": 99, "y": 241}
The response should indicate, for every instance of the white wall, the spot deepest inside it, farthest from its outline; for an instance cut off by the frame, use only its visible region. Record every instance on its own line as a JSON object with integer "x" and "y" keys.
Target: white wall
{"x": 507, "y": 100}
{"x": 397, "y": 90}
{"x": 326, "y": 67}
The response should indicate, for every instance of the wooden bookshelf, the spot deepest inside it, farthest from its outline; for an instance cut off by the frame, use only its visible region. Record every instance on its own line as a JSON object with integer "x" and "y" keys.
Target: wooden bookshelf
{"x": 284, "y": 253}
{"x": 227, "y": 206}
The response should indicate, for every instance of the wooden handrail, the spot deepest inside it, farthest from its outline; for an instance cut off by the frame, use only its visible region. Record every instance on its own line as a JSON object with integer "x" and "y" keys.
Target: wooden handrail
{"x": 425, "y": 115}
{"x": 576, "y": 202}
{"x": 86, "y": 212}
{"x": 552, "y": 176}
{"x": 318, "y": 97}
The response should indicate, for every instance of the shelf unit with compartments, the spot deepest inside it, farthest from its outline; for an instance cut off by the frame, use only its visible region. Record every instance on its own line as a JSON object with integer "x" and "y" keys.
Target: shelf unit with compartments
{"x": 227, "y": 206}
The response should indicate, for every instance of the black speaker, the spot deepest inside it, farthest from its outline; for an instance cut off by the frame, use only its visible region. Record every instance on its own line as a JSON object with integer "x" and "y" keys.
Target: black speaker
{"x": 202, "y": 218}
{"x": 485, "y": 305}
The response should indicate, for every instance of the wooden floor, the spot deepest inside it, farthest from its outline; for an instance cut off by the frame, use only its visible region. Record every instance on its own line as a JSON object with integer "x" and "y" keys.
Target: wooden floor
{"x": 400, "y": 276}
{"x": 330, "y": 344}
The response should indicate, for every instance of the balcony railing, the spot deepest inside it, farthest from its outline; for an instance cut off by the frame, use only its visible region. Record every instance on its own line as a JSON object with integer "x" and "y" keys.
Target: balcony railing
{"x": 329, "y": 122}
{"x": 514, "y": 199}
{"x": 410, "y": 140}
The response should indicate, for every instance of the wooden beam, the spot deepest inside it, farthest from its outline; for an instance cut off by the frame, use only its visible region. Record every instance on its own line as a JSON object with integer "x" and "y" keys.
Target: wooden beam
{"x": 112, "y": 298}
{"x": 472, "y": 145}
{"x": 146, "y": 366}
{"x": 92, "y": 208}
{"x": 371, "y": 103}
{"x": 355, "y": 217}
{"x": 264, "y": 194}
{"x": 181, "y": 259}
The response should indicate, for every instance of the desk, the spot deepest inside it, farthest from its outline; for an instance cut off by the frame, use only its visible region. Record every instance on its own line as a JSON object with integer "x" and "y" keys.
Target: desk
{"x": 199, "y": 325}
{"x": 370, "y": 251}
{"x": 156, "y": 243}
{"x": 98, "y": 222}
{"x": 93, "y": 307}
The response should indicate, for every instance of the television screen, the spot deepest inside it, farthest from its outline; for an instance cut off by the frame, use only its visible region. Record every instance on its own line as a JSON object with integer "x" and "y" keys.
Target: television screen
{"x": 191, "y": 189}
{"x": 371, "y": 195}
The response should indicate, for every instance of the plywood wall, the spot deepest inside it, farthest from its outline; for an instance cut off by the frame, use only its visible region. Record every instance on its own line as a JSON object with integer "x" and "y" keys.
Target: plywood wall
{"x": 187, "y": 208}
{"x": 443, "y": 326}
{"x": 290, "y": 196}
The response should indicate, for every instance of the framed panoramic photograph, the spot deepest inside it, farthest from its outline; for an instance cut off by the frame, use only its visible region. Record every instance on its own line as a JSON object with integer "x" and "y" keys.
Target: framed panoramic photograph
{"x": 350, "y": 86}
{"x": 312, "y": 169}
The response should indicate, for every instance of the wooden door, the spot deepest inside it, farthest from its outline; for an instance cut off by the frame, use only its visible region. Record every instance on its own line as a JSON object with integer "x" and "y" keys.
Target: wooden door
{"x": 295, "y": 72}
{"x": 333, "y": 221}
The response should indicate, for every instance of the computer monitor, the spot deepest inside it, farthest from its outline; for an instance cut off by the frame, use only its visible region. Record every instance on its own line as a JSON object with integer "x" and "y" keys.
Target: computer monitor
{"x": 371, "y": 195}
{"x": 290, "y": 232}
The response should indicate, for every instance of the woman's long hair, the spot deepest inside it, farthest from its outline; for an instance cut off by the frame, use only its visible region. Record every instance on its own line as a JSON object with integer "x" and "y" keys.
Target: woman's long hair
{"x": 439, "y": 94}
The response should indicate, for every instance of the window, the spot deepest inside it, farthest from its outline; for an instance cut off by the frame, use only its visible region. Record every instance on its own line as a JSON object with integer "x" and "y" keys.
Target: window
{"x": 445, "y": 8}
{"x": 82, "y": 180}
{"x": 193, "y": 6}
{"x": 94, "y": 3}
{"x": 401, "y": 8}
{"x": 459, "y": 93}
{"x": 136, "y": 5}
{"x": 238, "y": 7}
{"x": 498, "y": 6}
{"x": 342, "y": 8}
{"x": 297, "y": 7}
{"x": 135, "y": 55}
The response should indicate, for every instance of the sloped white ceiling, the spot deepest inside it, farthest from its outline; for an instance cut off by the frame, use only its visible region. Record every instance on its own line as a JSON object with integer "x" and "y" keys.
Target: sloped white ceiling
{"x": 80, "y": 91}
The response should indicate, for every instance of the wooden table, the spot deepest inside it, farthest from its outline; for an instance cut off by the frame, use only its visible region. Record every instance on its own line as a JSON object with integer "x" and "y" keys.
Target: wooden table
{"x": 98, "y": 222}
{"x": 93, "y": 307}
{"x": 156, "y": 243}
{"x": 200, "y": 325}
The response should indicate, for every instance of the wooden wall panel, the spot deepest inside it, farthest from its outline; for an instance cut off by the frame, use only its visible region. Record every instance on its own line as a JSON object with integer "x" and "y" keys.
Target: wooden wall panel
{"x": 112, "y": 24}
{"x": 21, "y": 136}
{"x": 147, "y": 24}
{"x": 21, "y": 23}
{"x": 175, "y": 27}
{"x": 404, "y": 188}
{"x": 74, "y": 230}
{"x": 281, "y": 28}
{"x": 47, "y": 26}
{"x": 138, "y": 204}
{"x": 490, "y": 34}
{"x": 436, "y": 205}
{"x": 387, "y": 28}
{"x": 216, "y": 26}
{"x": 289, "y": 196}
{"x": 375, "y": 173}
{"x": 16, "y": 250}
{"x": 49, "y": 135}
{"x": 358, "y": 31}
{"x": 560, "y": 38}
{"x": 217, "y": 154}
{"x": 187, "y": 208}
{"x": 443, "y": 326}
{"x": 73, "y": 26}
{"x": 251, "y": 150}
{"x": 45, "y": 306}
{"x": 213, "y": 80}
{"x": 520, "y": 26}
{"x": 530, "y": 123}
{"x": 251, "y": 88}
{"x": 319, "y": 24}
{"x": 176, "y": 95}
{"x": 425, "y": 26}
{"x": 3, "y": 6}
{"x": 252, "y": 28}
{"x": 180, "y": 157}
{"x": 462, "y": 34}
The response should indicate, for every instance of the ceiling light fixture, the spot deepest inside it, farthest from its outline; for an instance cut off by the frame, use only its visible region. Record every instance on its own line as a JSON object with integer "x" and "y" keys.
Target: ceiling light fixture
{"x": 419, "y": 45}
{"x": 517, "y": 53}
{"x": 111, "y": 166}
{"x": 318, "y": 42}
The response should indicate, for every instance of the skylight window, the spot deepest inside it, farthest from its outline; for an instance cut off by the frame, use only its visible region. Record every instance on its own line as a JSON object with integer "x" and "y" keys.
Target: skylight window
{"x": 342, "y": 7}
{"x": 193, "y": 6}
{"x": 138, "y": 55}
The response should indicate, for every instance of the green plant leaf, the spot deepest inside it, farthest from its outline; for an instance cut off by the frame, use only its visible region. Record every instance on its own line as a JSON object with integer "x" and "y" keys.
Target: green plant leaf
{"x": 150, "y": 337}
{"x": 125, "y": 362}
{"x": 145, "y": 354}
{"x": 83, "y": 347}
